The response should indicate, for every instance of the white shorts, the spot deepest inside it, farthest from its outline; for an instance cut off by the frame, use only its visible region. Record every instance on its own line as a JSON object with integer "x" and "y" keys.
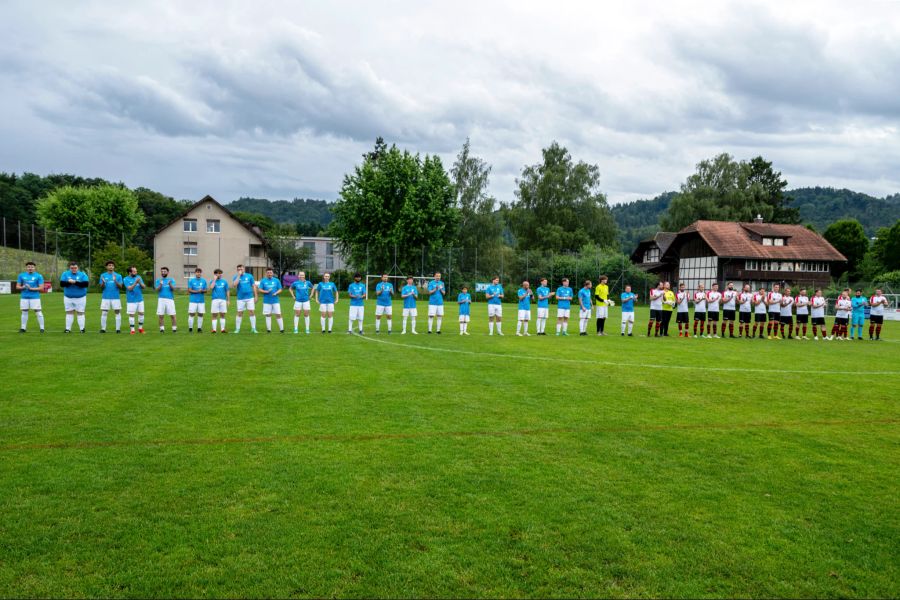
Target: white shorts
{"x": 76, "y": 304}
{"x": 326, "y": 308}
{"x": 165, "y": 306}
{"x": 584, "y": 314}
{"x": 198, "y": 308}
{"x": 495, "y": 310}
{"x": 134, "y": 307}
{"x": 357, "y": 313}
{"x": 543, "y": 313}
{"x": 562, "y": 313}
{"x": 524, "y": 315}
{"x": 627, "y": 317}
{"x": 383, "y": 310}
{"x": 271, "y": 309}
{"x": 463, "y": 318}
{"x": 29, "y": 303}
{"x": 301, "y": 305}
{"x": 110, "y": 304}
{"x": 602, "y": 312}
{"x": 435, "y": 310}
{"x": 248, "y": 304}
{"x": 410, "y": 312}
{"x": 218, "y": 306}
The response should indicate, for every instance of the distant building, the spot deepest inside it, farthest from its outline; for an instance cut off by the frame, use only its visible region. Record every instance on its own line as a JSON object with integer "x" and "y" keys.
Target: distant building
{"x": 324, "y": 253}
{"x": 756, "y": 253}
{"x": 209, "y": 236}
{"x": 648, "y": 255}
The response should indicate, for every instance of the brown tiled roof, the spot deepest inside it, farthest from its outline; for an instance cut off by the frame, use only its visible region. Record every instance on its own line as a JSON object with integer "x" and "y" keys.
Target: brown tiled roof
{"x": 733, "y": 240}
{"x": 251, "y": 228}
{"x": 662, "y": 239}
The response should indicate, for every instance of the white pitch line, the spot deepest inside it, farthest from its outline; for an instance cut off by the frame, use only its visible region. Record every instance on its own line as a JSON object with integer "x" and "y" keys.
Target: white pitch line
{"x": 622, "y": 364}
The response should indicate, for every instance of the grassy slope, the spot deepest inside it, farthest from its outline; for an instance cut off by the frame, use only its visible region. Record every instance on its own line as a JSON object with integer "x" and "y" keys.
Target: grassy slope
{"x": 282, "y": 465}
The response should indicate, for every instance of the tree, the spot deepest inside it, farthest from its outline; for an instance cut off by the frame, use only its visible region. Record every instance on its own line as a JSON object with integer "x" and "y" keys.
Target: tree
{"x": 559, "y": 205}
{"x": 159, "y": 210}
{"x": 480, "y": 228}
{"x": 132, "y": 256}
{"x": 723, "y": 189}
{"x": 886, "y": 249}
{"x": 262, "y": 222}
{"x": 849, "y": 238}
{"x": 285, "y": 250}
{"x": 106, "y": 212}
{"x": 394, "y": 199}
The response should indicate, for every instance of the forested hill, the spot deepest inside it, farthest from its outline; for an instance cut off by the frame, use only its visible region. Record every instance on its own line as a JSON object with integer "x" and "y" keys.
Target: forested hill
{"x": 298, "y": 210}
{"x": 818, "y": 206}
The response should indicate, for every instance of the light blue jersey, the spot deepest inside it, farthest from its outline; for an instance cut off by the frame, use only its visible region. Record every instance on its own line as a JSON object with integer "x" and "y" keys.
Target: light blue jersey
{"x": 166, "y": 287}
{"x": 584, "y": 298}
{"x": 493, "y": 293}
{"x": 219, "y": 289}
{"x": 326, "y": 290}
{"x": 409, "y": 301}
{"x": 859, "y": 306}
{"x": 564, "y": 297}
{"x": 465, "y": 304}
{"x": 243, "y": 285}
{"x": 137, "y": 294}
{"x": 196, "y": 285}
{"x": 72, "y": 289}
{"x": 384, "y": 292}
{"x": 543, "y": 297}
{"x": 268, "y": 286}
{"x": 302, "y": 290}
{"x": 108, "y": 283}
{"x": 357, "y": 293}
{"x": 524, "y": 299}
{"x": 32, "y": 280}
{"x": 627, "y": 299}
{"x": 436, "y": 291}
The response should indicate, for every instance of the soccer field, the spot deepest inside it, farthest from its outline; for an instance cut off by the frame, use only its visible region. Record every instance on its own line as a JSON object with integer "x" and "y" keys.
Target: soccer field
{"x": 283, "y": 465}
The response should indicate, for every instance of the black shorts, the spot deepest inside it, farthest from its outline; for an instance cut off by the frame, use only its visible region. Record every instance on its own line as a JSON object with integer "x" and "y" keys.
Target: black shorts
{"x": 700, "y": 316}
{"x": 760, "y": 317}
{"x": 745, "y": 317}
{"x": 656, "y": 314}
{"x": 818, "y": 321}
{"x": 786, "y": 320}
{"x": 841, "y": 320}
{"x": 876, "y": 319}
{"x": 682, "y": 317}
{"x": 775, "y": 316}
{"x": 802, "y": 319}
{"x": 727, "y": 315}
{"x": 713, "y": 316}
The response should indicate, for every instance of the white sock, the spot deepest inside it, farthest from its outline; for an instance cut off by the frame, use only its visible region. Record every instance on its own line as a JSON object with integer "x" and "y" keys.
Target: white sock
{"x": 306, "y": 322}
{"x": 118, "y": 321}
{"x": 525, "y": 326}
{"x": 390, "y": 324}
{"x": 414, "y": 323}
{"x": 40, "y": 317}
{"x": 518, "y": 326}
{"x": 404, "y": 323}
{"x": 439, "y": 321}
{"x": 377, "y": 325}
{"x": 330, "y": 323}
{"x": 215, "y": 324}
{"x": 103, "y": 316}
{"x": 499, "y": 327}
{"x": 296, "y": 322}
{"x": 69, "y": 318}
{"x": 630, "y": 327}
{"x": 141, "y": 321}
{"x": 491, "y": 326}
{"x": 131, "y": 321}
{"x": 558, "y": 327}
{"x": 280, "y": 324}
{"x": 237, "y": 323}
{"x": 199, "y": 321}
{"x": 253, "y": 322}
{"x": 222, "y": 323}
{"x": 190, "y": 321}
{"x": 80, "y": 320}
{"x": 24, "y": 319}
{"x": 268, "y": 323}
{"x": 360, "y": 325}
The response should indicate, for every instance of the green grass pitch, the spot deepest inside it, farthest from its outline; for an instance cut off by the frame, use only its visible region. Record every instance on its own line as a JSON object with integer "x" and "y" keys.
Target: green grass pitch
{"x": 282, "y": 465}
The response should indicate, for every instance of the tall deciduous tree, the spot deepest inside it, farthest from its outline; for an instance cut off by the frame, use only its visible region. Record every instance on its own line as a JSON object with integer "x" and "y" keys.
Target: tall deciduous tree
{"x": 394, "y": 199}
{"x": 886, "y": 249}
{"x": 159, "y": 210}
{"x": 849, "y": 238}
{"x": 559, "y": 205}
{"x": 480, "y": 226}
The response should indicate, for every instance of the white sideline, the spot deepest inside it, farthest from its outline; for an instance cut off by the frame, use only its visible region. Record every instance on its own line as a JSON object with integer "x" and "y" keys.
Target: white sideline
{"x": 622, "y": 364}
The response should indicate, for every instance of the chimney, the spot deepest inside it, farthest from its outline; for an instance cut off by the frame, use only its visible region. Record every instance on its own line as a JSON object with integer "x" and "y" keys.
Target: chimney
{"x": 758, "y": 218}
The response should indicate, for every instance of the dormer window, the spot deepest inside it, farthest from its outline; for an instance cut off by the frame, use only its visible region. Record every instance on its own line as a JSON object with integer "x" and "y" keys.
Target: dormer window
{"x": 651, "y": 255}
{"x": 773, "y": 241}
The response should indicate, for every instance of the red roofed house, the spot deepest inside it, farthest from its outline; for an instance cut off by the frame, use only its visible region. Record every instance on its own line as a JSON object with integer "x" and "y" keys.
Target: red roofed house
{"x": 755, "y": 253}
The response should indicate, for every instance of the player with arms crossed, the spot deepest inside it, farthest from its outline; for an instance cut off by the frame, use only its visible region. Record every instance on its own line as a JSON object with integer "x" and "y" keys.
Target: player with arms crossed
{"x": 165, "y": 299}
{"x": 220, "y": 294}
{"x": 842, "y": 308}
{"x": 464, "y": 299}
{"x": 247, "y": 295}
{"x": 75, "y": 286}
{"x": 110, "y": 284}
{"x": 270, "y": 287}
{"x": 524, "y": 295}
{"x": 326, "y": 295}
{"x": 409, "y": 293}
{"x": 300, "y": 291}
{"x": 760, "y": 310}
{"x": 543, "y": 295}
{"x": 584, "y": 303}
{"x": 30, "y": 284}
{"x": 682, "y": 314}
{"x": 197, "y": 288}
{"x": 627, "y": 301}
{"x": 801, "y": 304}
{"x": 745, "y": 311}
{"x": 878, "y": 302}
{"x": 773, "y": 301}
{"x": 699, "y": 301}
{"x": 357, "y": 293}
{"x": 134, "y": 298}
{"x": 494, "y": 295}
{"x": 656, "y": 299}
{"x": 858, "y": 315}
{"x": 817, "y": 312}
{"x": 564, "y": 295}
{"x": 713, "y": 299}
{"x": 786, "y": 315}
{"x": 384, "y": 307}
{"x": 729, "y": 308}
{"x": 436, "y": 291}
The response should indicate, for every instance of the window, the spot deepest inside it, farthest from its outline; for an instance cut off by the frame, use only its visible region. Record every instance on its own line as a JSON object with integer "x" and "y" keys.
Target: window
{"x": 213, "y": 226}
{"x": 189, "y": 271}
{"x": 651, "y": 255}
{"x": 329, "y": 248}
{"x": 256, "y": 251}
{"x": 190, "y": 225}
{"x": 694, "y": 271}
{"x": 773, "y": 241}
{"x": 751, "y": 265}
{"x": 329, "y": 262}
{"x": 311, "y": 246}
{"x": 190, "y": 249}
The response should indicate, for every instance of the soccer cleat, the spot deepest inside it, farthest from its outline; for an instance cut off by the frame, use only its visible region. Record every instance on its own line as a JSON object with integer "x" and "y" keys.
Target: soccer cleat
{"x": 630, "y": 335}
{"x": 70, "y": 331}
{"x": 253, "y": 331}
{"x": 520, "y": 335}
{"x": 190, "y": 330}
{"x": 439, "y": 333}
{"x": 21, "y": 331}
{"x": 141, "y": 331}
{"x": 622, "y": 334}
{"x": 199, "y": 330}
{"x": 82, "y": 331}
{"x": 213, "y": 331}
{"x": 565, "y": 333}
{"x": 296, "y": 331}
{"x": 415, "y": 332}
{"x": 101, "y": 331}
{"x": 224, "y": 331}
{"x": 582, "y": 333}
{"x": 526, "y": 333}
{"x": 499, "y": 333}
{"x": 465, "y": 333}
{"x": 133, "y": 332}
{"x": 118, "y": 331}
{"x": 429, "y": 332}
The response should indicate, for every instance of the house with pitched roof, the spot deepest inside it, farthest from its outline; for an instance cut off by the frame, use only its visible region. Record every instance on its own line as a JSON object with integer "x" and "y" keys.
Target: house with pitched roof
{"x": 649, "y": 252}
{"x": 755, "y": 253}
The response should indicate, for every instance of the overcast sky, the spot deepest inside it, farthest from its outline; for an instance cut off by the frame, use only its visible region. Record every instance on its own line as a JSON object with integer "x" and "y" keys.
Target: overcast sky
{"x": 280, "y": 99}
